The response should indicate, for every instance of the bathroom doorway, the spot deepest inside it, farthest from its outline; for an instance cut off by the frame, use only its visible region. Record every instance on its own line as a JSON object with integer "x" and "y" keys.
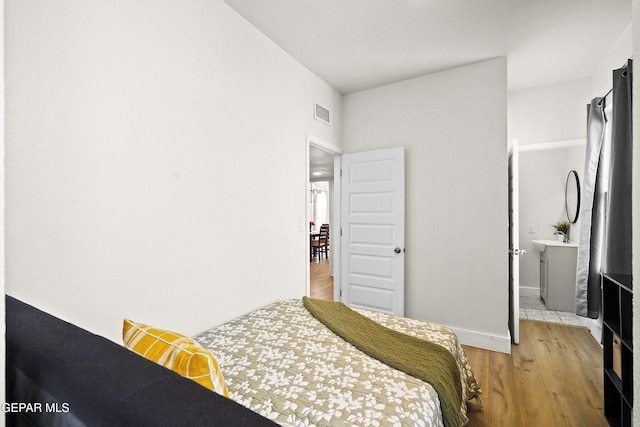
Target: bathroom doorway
{"x": 542, "y": 180}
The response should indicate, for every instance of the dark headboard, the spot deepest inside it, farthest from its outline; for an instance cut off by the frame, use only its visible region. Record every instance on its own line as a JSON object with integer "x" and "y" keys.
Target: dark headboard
{"x": 73, "y": 377}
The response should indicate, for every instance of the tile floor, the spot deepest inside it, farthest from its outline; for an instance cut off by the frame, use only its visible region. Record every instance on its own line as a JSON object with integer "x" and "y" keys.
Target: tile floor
{"x": 532, "y": 307}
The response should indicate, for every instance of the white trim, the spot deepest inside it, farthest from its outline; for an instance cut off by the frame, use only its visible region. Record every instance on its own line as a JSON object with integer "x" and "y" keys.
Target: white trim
{"x": 321, "y": 144}
{"x": 595, "y": 327}
{"x": 336, "y": 241}
{"x": 304, "y": 226}
{"x": 484, "y": 341}
{"x": 552, "y": 145}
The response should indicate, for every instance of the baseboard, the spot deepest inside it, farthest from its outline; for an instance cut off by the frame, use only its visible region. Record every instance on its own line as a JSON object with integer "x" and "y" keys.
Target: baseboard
{"x": 595, "y": 327}
{"x": 485, "y": 341}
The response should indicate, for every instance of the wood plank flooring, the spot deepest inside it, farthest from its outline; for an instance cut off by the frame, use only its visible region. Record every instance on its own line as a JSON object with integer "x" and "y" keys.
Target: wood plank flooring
{"x": 321, "y": 281}
{"x": 552, "y": 378}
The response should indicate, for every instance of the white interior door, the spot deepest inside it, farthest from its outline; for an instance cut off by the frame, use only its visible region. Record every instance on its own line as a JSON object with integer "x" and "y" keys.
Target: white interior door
{"x": 514, "y": 245}
{"x": 372, "y": 227}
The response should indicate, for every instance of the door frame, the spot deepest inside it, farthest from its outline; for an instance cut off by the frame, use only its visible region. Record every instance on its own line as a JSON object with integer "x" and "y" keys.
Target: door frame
{"x": 311, "y": 140}
{"x": 514, "y": 249}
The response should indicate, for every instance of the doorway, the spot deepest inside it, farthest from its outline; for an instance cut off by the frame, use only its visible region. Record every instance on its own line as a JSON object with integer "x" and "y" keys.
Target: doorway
{"x": 542, "y": 204}
{"x": 321, "y": 191}
{"x": 320, "y": 273}
{"x": 366, "y": 250}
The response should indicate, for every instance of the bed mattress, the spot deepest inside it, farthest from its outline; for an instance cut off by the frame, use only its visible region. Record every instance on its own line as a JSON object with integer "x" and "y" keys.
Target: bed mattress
{"x": 284, "y": 364}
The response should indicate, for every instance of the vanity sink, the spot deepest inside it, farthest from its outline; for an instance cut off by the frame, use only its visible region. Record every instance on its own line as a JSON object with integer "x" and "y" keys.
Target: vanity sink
{"x": 541, "y": 245}
{"x": 557, "y": 274}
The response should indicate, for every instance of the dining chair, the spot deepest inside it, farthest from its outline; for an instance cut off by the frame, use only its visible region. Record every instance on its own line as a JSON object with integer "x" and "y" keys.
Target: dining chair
{"x": 320, "y": 243}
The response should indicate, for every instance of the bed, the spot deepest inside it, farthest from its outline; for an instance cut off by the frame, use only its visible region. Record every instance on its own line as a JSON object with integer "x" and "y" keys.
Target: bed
{"x": 285, "y": 364}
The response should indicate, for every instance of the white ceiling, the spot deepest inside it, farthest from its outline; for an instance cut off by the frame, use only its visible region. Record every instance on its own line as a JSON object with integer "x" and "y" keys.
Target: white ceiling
{"x": 320, "y": 162}
{"x": 355, "y": 45}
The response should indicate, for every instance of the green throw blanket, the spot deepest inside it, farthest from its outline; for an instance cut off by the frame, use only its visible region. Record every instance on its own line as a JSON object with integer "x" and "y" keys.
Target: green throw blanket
{"x": 419, "y": 358}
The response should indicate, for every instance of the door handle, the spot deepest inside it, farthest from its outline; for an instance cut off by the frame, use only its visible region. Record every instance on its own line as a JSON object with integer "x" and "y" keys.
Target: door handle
{"x": 517, "y": 251}
{"x": 398, "y": 250}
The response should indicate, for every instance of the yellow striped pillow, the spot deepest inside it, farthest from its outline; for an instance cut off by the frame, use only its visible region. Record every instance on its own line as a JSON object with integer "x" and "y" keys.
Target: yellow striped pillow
{"x": 177, "y": 352}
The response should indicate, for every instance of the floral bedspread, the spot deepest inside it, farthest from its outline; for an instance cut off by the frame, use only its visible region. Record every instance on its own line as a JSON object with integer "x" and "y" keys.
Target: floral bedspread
{"x": 284, "y": 364}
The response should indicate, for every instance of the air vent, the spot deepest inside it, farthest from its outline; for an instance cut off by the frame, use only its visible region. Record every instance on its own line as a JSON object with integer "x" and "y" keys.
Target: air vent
{"x": 322, "y": 114}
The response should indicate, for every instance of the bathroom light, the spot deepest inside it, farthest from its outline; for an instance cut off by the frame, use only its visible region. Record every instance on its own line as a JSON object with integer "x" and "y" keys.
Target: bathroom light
{"x": 317, "y": 173}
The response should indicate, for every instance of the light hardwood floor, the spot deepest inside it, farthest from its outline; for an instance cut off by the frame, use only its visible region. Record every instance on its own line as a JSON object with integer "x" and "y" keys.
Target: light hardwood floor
{"x": 552, "y": 378}
{"x": 321, "y": 282}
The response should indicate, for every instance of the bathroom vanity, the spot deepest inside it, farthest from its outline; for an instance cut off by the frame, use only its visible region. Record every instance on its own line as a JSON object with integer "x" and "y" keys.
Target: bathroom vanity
{"x": 557, "y": 274}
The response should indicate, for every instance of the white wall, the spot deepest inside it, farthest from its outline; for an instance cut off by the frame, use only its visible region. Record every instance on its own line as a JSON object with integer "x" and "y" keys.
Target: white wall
{"x": 549, "y": 113}
{"x": 543, "y": 175}
{"x": 615, "y": 58}
{"x": 138, "y": 141}
{"x": 453, "y": 128}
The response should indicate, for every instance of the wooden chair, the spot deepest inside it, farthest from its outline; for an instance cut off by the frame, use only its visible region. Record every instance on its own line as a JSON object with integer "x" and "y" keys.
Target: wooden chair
{"x": 320, "y": 243}
{"x": 328, "y": 234}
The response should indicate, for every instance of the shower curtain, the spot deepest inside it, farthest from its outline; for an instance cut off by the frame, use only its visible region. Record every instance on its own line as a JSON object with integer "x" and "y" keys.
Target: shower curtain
{"x": 605, "y": 231}
{"x": 618, "y": 227}
{"x": 591, "y": 214}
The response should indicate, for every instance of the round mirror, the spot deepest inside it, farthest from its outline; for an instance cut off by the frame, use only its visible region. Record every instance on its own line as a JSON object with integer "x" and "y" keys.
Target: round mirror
{"x": 572, "y": 196}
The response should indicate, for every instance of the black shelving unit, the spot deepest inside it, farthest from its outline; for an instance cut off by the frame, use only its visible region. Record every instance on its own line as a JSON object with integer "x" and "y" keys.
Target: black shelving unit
{"x": 617, "y": 292}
